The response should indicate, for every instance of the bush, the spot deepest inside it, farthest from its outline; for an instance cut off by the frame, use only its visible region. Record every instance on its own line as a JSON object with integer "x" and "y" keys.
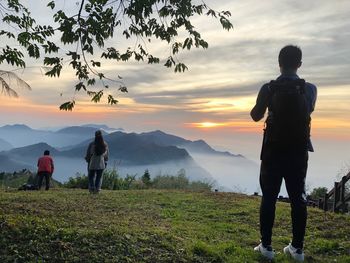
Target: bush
{"x": 79, "y": 181}
{"x": 170, "y": 182}
{"x": 112, "y": 181}
{"x": 17, "y": 179}
{"x": 318, "y": 192}
{"x": 146, "y": 179}
{"x": 179, "y": 181}
{"x": 200, "y": 186}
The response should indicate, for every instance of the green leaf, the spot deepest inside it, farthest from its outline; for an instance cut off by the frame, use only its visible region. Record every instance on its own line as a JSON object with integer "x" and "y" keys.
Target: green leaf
{"x": 51, "y": 4}
{"x": 123, "y": 89}
{"x": 180, "y": 67}
{"x": 95, "y": 63}
{"x": 68, "y": 106}
{"x": 85, "y": 30}
{"x": 80, "y": 86}
{"x": 97, "y": 96}
{"x": 112, "y": 100}
{"x": 91, "y": 82}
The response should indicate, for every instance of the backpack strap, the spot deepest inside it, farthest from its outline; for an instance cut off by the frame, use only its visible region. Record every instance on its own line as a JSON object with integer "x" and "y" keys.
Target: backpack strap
{"x": 285, "y": 85}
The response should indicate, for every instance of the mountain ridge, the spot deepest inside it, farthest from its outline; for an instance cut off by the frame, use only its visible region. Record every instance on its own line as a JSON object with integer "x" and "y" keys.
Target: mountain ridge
{"x": 72, "y": 136}
{"x": 132, "y": 153}
{"x": 5, "y": 145}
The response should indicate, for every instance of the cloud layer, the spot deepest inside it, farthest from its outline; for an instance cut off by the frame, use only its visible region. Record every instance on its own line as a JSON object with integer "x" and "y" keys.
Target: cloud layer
{"x": 222, "y": 82}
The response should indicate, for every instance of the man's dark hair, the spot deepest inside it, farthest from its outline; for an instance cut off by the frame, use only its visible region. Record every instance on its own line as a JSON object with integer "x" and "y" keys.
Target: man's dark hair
{"x": 47, "y": 152}
{"x": 290, "y": 57}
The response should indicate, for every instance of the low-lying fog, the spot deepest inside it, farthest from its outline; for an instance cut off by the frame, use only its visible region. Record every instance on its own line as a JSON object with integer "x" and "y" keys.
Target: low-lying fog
{"x": 227, "y": 173}
{"x": 232, "y": 173}
{"x": 68, "y": 167}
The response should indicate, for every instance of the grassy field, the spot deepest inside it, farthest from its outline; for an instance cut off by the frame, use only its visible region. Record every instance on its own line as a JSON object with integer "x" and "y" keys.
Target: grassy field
{"x": 153, "y": 226}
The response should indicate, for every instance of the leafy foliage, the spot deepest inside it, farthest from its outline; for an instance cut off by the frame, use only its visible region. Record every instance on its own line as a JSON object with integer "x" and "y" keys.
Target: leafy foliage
{"x": 9, "y": 82}
{"x": 80, "y": 181}
{"x": 179, "y": 181}
{"x": 146, "y": 179}
{"x": 17, "y": 179}
{"x": 111, "y": 180}
{"x": 318, "y": 192}
{"x": 85, "y": 35}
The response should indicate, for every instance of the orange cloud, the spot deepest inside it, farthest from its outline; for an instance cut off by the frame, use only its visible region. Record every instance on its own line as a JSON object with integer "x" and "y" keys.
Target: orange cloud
{"x": 321, "y": 127}
{"x": 241, "y": 125}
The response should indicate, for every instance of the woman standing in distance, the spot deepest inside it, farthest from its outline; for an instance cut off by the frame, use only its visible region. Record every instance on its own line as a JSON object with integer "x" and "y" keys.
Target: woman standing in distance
{"x": 96, "y": 157}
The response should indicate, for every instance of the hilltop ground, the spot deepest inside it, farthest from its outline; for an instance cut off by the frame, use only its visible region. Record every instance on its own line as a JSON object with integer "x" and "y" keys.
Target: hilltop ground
{"x": 153, "y": 226}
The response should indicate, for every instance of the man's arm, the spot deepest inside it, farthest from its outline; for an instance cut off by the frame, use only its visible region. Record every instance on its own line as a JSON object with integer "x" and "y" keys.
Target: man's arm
{"x": 52, "y": 166}
{"x": 313, "y": 94}
{"x": 258, "y": 112}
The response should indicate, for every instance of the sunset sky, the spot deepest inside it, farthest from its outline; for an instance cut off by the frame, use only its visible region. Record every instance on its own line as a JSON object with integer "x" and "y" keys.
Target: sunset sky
{"x": 213, "y": 99}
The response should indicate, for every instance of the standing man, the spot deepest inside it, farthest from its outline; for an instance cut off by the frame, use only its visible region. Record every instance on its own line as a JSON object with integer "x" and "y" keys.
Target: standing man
{"x": 45, "y": 169}
{"x": 284, "y": 155}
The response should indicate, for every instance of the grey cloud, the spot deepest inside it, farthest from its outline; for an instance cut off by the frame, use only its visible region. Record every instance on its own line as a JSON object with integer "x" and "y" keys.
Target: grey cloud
{"x": 249, "y": 52}
{"x": 184, "y": 96}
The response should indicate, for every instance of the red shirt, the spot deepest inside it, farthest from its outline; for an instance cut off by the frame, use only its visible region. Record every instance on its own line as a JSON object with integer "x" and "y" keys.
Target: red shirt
{"x": 45, "y": 164}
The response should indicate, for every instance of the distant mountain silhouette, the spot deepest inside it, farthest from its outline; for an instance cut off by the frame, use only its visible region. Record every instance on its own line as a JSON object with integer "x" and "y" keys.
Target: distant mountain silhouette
{"x": 162, "y": 138}
{"x": 131, "y": 153}
{"x": 34, "y": 150}
{"x": 133, "y": 149}
{"x": 199, "y": 146}
{"x": 80, "y": 131}
{"x": 102, "y": 127}
{"x": 129, "y": 148}
{"x": 21, "y": 135}
{"x": 4, "y": 145}
{"x": 16, "y": 127}
{"x": 9, "y": 165}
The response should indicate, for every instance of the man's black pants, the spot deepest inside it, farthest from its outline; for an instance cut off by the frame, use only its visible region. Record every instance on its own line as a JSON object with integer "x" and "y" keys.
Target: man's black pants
{"x": 41, "y": 176}
{"x": 288, "y": 163}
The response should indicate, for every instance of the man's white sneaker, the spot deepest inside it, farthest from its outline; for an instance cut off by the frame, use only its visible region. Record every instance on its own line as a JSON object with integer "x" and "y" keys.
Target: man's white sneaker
{"x": 267, "y": 252}
{"x": 296, "y": 253}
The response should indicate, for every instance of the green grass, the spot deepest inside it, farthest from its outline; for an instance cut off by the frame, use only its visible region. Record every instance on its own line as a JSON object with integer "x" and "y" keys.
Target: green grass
{"x": 14, "y": 182}
{"x": 153, "y": 226}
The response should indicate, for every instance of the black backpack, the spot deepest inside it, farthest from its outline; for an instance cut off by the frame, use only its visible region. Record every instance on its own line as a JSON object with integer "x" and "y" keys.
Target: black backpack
{"x": 289, "y": 120}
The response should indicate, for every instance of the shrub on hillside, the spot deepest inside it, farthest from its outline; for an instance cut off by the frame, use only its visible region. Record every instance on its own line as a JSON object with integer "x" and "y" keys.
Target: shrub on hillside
{"x": 146, "y": 179}
{"x": 171, "y": 182}
{"x": 112, "y": 181}
{"x": 200, "y": 186}
{"x": 79, "y": 181}
{"x": 179, "y": 181}
{"x": 318, "y": 192}
{"x": 19, "y": 178}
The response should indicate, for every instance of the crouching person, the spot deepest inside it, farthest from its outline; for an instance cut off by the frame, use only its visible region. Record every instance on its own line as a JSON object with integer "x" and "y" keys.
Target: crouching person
{"x": 45, "y": 169}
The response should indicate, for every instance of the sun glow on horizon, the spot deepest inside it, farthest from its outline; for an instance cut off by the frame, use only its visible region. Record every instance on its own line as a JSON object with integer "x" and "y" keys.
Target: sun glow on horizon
{"x": 236, "y": 125}
{"x": 207, "y": 124}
